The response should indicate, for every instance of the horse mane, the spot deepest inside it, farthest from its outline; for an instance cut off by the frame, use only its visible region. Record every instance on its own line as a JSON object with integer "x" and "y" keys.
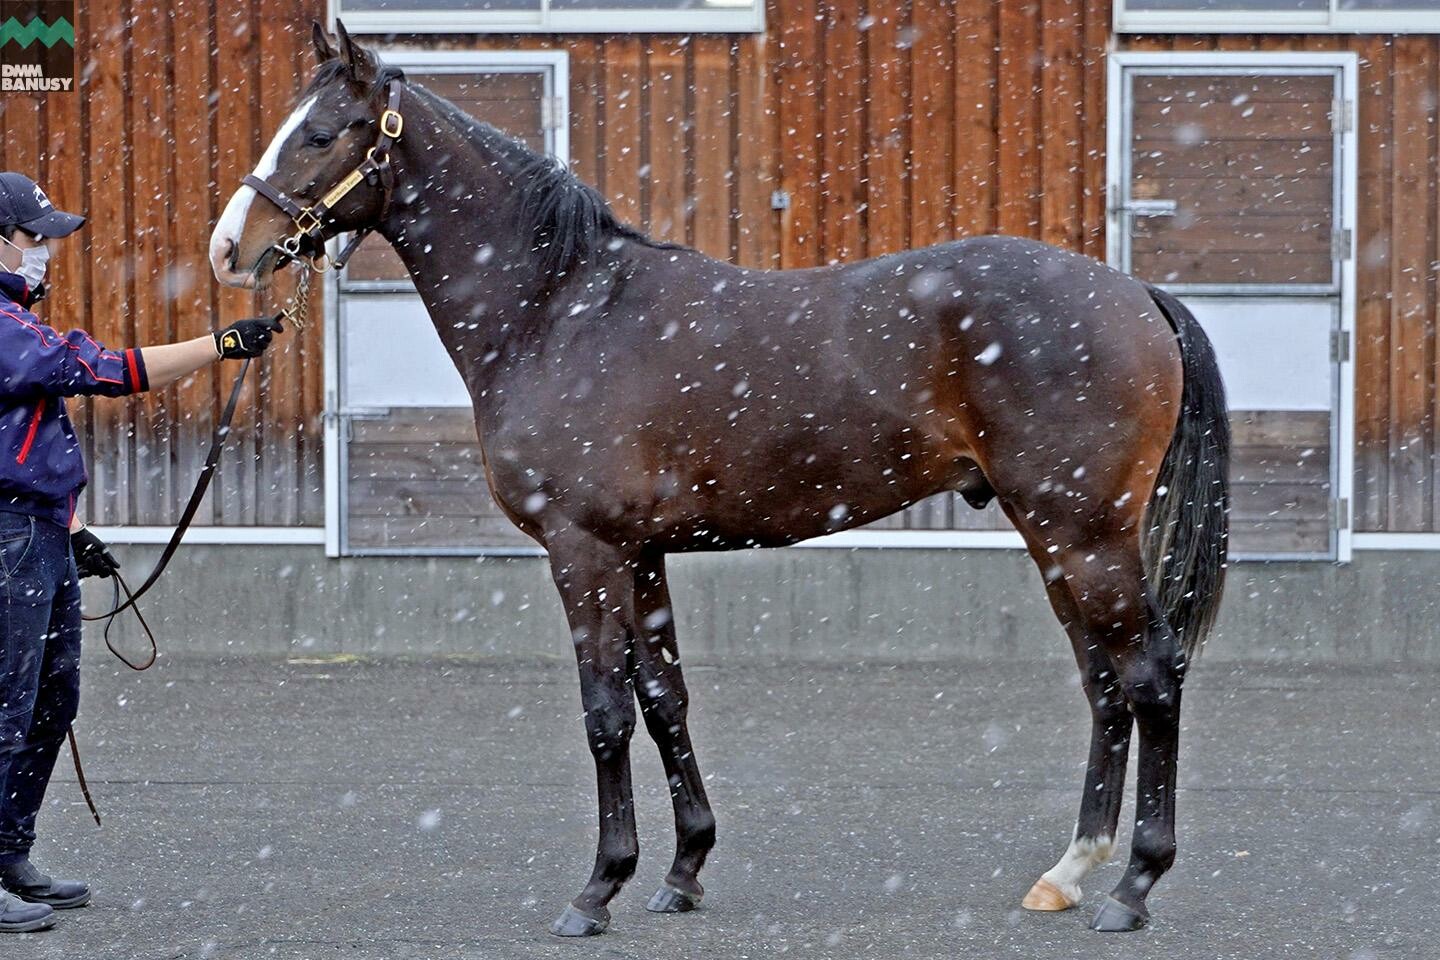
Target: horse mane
{"x": 569, "y": 222}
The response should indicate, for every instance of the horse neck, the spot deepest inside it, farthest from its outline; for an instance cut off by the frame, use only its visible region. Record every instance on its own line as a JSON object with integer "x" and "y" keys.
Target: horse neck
{"x": 451, "y": 220}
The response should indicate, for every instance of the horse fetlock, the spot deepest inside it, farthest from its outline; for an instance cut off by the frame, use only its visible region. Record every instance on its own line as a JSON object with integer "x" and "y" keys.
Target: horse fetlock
{"x": 698, "y": 832}
{"x": 1152, "y": 853}
{"x": 1059, "y": 887}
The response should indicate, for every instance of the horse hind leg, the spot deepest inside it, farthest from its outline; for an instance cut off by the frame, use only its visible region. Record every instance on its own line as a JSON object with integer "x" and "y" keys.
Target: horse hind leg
{"x": 1118, "y": 622}
{"x": 1121, "y": 621}
{"x": 1093, "y": 840}
{"x": 664, "y": 703}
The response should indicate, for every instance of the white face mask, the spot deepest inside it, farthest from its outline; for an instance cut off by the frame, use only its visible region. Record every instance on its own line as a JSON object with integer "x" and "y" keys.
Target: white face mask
{"x": 33, "y": 261}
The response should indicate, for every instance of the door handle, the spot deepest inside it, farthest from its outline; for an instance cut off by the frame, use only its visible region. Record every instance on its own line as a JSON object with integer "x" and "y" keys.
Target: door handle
{"x": 1151, "y": 208}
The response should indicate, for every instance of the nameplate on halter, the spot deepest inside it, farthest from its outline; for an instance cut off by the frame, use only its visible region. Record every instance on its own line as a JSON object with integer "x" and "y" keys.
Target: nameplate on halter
{"x": 343, "y": 187}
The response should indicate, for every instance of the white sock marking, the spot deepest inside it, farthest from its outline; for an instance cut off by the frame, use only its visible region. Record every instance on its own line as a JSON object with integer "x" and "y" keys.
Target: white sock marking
{"x": 1083, "y": 855}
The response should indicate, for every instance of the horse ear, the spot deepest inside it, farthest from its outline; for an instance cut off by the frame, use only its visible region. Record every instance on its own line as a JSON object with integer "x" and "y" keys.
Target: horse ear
{"x": 323, "y": 50}
{"x": 361, "y": 62}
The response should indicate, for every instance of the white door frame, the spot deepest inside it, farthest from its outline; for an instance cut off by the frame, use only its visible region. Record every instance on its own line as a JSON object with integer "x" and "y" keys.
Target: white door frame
{"x": 1263, "y": 61}
{"x": 555, "y": 66}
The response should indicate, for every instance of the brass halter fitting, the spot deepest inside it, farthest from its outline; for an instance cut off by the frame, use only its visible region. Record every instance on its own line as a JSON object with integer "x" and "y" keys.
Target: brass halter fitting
{"x": 309, "y": 222}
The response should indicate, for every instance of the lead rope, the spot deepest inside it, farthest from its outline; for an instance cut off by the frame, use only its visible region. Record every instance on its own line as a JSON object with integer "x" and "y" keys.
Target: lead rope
{"x": 297, "y": 313}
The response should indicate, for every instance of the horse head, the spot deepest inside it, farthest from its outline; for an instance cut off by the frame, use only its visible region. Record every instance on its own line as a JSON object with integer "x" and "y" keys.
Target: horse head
{"x": 338, "y": 133}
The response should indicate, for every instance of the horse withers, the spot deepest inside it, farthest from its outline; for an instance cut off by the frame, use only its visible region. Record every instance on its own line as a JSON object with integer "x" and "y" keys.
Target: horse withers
{"x": 635, "y": 398}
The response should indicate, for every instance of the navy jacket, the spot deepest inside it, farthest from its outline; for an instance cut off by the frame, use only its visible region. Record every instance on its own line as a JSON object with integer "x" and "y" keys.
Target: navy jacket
{"x": 41, "y": 467}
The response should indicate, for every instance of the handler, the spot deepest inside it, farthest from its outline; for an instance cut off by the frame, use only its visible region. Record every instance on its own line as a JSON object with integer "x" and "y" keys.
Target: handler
{"x": 44, "y": 548}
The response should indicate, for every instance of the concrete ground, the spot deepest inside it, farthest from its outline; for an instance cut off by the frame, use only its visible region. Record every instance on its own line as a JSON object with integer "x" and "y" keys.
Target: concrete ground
{"x": 441, "y": 809}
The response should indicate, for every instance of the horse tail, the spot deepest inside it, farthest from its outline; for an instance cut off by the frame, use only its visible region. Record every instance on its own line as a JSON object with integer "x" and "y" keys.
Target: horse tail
{"x": 1186, "y": 532}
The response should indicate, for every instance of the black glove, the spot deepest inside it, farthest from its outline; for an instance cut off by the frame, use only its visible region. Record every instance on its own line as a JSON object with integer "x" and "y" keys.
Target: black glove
{"x": 92, "y": 557}
{"x": 246, "y": 338}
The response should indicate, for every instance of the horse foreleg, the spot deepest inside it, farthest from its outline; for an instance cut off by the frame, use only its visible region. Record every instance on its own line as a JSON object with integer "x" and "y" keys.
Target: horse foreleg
{"x": 664, "y": 704}
{"x": 1094, "y": 838}
{"x": 597, "y": 588}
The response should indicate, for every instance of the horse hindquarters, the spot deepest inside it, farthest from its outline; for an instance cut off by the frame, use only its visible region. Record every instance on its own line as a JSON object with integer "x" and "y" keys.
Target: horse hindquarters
{"x": 1124, "y": 585}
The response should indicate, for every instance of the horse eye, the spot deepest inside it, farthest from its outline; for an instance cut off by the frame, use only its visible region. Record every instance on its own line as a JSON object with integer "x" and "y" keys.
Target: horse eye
{"x": 321, "y": 138}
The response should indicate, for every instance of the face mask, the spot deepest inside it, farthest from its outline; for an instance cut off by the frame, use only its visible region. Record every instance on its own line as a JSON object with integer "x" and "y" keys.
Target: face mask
{"x": 33, "y": 261}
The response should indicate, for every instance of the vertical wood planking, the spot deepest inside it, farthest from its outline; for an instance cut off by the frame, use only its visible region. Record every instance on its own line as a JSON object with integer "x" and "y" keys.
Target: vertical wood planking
{"x": 842, "y": 190}
{"x": 886, "y": 109}
{"x": 1019, "y": 173}
{"x": 107, "y": 237}
{"x": 666, "y": 120}
{"x": 194, "y": 204}
{"x": 235, "y": 116}
{"x": 753, "y": 130}
{"x": 931, "y": 121}
{"x": 712, "y": 159}
{"x": 976, "y": 141}
{"x": 278, "y": 417}
{"x": 1094, "y": 189}
{"x": 586, "y": 95}
{"x": 151, "y": 246}
{"x": 1411, "y": 323}
{"x": 1061, "y": 133}
{"x": 622, "y": 127}
{"x": 801, "y": 97}
{"x": 1372, "y": 282}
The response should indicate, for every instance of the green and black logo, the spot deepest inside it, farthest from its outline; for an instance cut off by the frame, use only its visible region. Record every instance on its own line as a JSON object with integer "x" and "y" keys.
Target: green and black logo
{"x": 37, "y": 46}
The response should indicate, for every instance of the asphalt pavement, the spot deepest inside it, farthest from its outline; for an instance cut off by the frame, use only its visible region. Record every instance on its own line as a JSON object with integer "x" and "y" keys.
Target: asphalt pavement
{"x": 428, "y": 810}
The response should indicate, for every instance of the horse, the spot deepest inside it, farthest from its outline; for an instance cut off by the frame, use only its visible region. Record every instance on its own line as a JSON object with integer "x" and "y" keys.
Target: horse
{"x": 635, "y": 398}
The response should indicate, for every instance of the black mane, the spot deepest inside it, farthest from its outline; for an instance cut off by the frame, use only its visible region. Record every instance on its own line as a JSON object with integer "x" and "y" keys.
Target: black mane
{"x": 569, "y": 221}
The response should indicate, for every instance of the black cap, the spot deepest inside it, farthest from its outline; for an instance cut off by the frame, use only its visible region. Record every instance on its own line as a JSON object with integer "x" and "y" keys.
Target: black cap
{"x": 23, "y": 204}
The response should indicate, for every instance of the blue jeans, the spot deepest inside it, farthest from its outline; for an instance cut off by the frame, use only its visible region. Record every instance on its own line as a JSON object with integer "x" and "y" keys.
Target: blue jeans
{"x": 39, "y": 668}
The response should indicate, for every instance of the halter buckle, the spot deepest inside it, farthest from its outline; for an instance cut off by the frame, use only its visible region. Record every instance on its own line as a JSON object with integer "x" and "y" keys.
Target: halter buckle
{"x": 307, "y": 221}
{"x": 391, "y": 123}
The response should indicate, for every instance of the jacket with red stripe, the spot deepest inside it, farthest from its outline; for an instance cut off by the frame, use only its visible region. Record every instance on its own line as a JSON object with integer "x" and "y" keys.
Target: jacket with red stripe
{"x": 41, "y": 467}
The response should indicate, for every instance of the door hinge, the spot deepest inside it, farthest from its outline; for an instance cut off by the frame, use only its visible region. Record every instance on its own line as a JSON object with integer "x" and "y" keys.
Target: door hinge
{"x": 1342, "y": 116}
{"x": 1340, "y": 513}
{"x": 1339, "y": 346}
{"x": 1342, "y": 244}
{"x": 551, "y": 116}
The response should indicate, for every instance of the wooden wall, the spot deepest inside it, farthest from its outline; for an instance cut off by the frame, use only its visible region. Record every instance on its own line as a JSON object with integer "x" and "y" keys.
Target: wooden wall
{"x": 168, "y": 116}
{"x": 888, "y": 125}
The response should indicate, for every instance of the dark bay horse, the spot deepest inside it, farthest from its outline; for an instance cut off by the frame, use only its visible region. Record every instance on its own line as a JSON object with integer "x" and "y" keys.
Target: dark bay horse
{"x": 636, "y": 398}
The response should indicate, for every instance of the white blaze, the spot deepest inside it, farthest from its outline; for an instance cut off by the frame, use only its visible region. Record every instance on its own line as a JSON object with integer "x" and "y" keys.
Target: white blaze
{"x": 232, "y": 221}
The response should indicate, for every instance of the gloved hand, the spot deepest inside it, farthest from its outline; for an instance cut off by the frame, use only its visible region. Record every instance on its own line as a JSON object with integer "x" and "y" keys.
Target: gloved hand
{"x": 246, "y": 338}
{"x": 92, "y": 557}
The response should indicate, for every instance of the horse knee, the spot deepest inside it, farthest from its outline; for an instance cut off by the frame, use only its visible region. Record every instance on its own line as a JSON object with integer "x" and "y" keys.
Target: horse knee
{"x": 609, "y": 724}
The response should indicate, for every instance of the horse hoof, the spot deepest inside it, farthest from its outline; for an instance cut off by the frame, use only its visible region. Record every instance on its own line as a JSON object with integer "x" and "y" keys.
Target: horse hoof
{"x": 1116, "y": 917}
{"x": 573, "y": 923}
{"x": 1047, "y": 897}
{"x": 669, "y": 900}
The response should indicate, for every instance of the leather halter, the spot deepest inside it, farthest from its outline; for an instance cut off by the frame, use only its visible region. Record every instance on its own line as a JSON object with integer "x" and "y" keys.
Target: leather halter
{"x": 310, "y": 222}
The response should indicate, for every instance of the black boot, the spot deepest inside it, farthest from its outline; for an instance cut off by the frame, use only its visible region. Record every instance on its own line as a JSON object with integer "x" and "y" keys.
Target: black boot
{"x": 17, "y": 916}
{"x": 24, "y": 881}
